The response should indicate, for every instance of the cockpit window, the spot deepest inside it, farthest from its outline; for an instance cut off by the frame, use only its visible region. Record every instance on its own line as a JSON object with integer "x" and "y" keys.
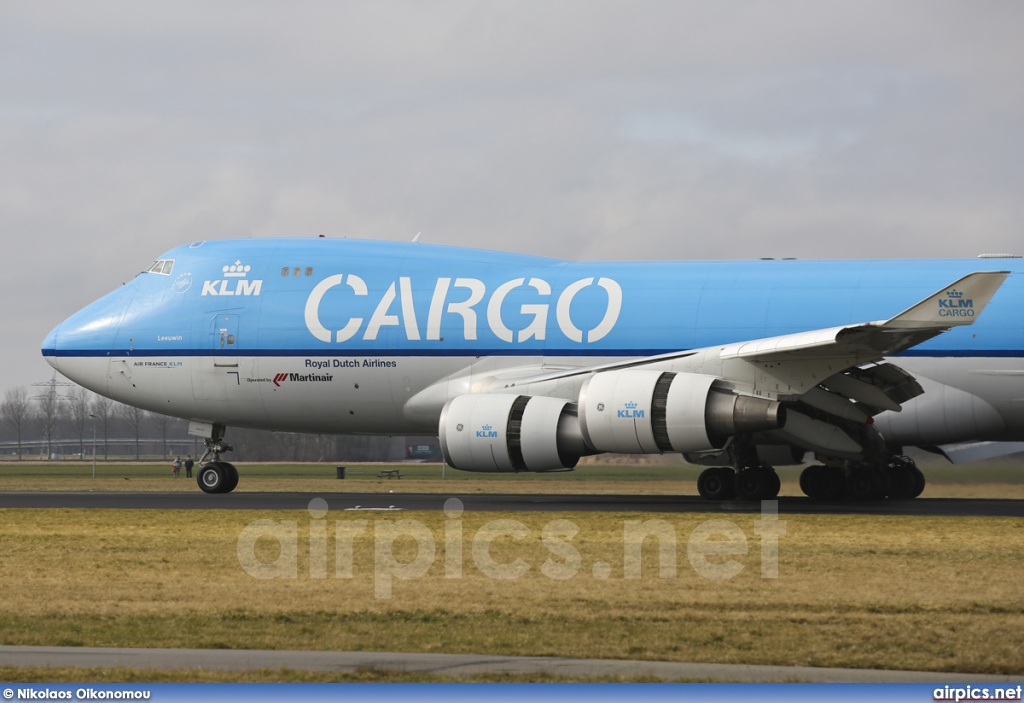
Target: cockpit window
{"x": 161, "y": 266}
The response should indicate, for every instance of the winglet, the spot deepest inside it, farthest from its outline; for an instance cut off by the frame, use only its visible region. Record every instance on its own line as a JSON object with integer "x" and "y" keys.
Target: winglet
{"x": 957, "y": 304}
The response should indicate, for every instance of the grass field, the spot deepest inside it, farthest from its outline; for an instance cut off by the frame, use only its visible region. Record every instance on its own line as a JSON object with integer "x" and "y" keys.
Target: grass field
{"x": 371, "y": 675}
{"x": 992, "y": 479}
{"x": 852, "y": 591}
{"x": 925, "y": 593}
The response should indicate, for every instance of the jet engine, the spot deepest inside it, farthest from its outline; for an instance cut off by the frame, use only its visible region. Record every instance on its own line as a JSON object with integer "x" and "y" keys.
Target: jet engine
{"x": 641, "y": 411}
{"x": 505, "y": 433}
{"x": 629, "y": 411}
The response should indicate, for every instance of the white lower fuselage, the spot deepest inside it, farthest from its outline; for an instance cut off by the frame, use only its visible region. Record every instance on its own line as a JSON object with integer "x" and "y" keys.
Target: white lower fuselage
{"x": 967, "y": 399}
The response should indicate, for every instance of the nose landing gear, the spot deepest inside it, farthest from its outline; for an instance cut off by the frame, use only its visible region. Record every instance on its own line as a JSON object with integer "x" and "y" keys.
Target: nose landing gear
{"x": 216, "y": 476}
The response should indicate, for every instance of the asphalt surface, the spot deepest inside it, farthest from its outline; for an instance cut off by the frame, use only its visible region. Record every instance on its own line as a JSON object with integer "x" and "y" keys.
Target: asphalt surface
{"x": 456, "y": 665}
{"x": 496, "y": 502}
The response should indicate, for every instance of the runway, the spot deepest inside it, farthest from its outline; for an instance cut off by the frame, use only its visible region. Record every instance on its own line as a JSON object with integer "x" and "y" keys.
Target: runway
{"x": 501, "y": 502}
{"x": 458, "y": 665}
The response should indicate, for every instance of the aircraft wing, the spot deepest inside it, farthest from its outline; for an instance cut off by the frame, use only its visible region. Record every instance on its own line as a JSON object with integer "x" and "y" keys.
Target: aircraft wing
{"x": 833, "y": 378}
{"x": 959, "y": 303}
{"x": 956, "y": 305}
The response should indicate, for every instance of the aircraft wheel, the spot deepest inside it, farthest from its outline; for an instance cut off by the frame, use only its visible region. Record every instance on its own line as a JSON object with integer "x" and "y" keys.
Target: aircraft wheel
{"x": 919, "y": 482}
{"x": 905, "y": 479}
{"x": 823, "y": 482}
{"x": 833, "y": 483}
{"x": 212, "y": 477}
{"x": 865, "y": 484}
{"x": 810, "y": 479}
{"x": 904, "y": 483}
{"x": 717, "y": 483}
{"x": 231, "y": 476}
{"x": 752, "y": 484}
{"x": 774, "y": 485}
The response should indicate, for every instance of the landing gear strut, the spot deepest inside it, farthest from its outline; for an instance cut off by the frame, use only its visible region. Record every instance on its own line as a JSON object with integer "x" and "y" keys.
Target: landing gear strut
{"x": 216, "y": 476}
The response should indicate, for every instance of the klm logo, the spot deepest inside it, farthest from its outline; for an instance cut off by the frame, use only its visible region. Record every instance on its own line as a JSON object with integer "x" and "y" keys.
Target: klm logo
{"x": 630, "y": 411}
{"x": 955, "y": 305}
{"x": 487, "y": 431}
{"x": 234, "y": 282}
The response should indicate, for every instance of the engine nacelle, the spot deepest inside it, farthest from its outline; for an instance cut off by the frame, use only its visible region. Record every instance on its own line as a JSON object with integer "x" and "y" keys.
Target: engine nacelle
{"x": 507, "y": 433}
{"x": 642, "y": 411}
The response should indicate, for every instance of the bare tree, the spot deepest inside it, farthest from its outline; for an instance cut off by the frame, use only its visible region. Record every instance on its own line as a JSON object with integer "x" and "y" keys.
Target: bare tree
{"x": 51, "y": 407}
{"x": 16, "y": 412}
{"x": 163, "y": 423}
{"x": 78, "y": 413}
{"x": 321, "y": 447}
{"x": 133, "y": 417}
{"x": 102, "y": 409}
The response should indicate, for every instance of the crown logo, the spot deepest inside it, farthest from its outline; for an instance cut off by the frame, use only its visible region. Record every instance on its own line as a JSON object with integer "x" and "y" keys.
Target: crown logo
{"x": 236, "y": 270}
{"x": 486, "y": 428}
{"x": 630, "y": 405}
{"x": 954, "y": 294}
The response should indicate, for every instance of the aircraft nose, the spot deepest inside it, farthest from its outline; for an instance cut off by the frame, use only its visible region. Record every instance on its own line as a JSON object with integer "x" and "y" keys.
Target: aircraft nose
{"x": 50, "y": 347}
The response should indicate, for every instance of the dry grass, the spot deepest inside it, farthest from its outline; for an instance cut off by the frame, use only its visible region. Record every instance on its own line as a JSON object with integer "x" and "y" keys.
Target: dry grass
{"x": 370, "y": 675}
{"x": 853, "y": 591}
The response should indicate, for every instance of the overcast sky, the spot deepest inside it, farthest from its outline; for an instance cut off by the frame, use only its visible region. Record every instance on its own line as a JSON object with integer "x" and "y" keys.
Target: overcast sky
{"x": 590, "y": 130}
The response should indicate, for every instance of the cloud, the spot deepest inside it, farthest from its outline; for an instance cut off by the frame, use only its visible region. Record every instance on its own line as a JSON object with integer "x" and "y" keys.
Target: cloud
{"x": 577, "y": 129}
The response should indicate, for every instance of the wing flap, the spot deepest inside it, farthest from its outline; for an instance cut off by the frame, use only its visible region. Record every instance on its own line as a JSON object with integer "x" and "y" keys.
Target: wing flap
{"x": 879, "y": 387}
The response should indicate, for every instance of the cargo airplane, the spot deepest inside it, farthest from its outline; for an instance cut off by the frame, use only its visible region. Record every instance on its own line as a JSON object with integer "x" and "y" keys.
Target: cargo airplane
{"x": 523, "y": 363}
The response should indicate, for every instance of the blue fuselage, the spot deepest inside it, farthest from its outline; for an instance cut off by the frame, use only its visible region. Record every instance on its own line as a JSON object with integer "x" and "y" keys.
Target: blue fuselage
{"x": 219, "y": 330}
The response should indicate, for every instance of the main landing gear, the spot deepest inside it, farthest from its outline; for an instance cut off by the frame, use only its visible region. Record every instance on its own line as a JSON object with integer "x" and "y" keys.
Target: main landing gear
{"x": 748, "y": 479}
{"x": 758, "y": 482}
{"x": 216, "y": 476}
{"x": 885, "y": 476}
{"x": 899, "y": 478}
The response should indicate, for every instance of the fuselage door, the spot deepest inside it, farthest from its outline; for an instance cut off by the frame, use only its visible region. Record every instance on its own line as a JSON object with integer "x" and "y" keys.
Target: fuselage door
{"x": 222, "y": 381}
{"x": 224, "y": 339}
